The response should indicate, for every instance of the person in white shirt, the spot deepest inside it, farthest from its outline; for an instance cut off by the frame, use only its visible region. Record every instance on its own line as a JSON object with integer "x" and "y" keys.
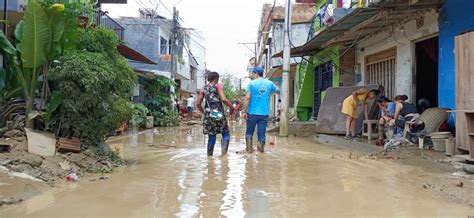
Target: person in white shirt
{"x": 190, "y": 106}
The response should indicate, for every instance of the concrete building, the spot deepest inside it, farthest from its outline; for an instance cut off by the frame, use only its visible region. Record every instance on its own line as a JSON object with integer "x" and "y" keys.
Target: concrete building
{"x": 150, "y": 35}
{"x": 270, "y": 44}
{"x": 197, "y": 47}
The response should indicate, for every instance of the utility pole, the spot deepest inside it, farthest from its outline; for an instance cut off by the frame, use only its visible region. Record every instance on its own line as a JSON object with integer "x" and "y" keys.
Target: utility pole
{"x": 285, "y": 86}
{"x": 174, "y": 39}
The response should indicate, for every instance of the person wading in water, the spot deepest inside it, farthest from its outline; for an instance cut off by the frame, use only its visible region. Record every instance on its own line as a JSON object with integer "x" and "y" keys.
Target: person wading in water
{"x": 215, "y": 121}
{"x": 257, "y": 108}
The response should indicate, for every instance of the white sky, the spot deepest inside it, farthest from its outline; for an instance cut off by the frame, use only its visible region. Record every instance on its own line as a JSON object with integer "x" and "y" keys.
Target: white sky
{"x": 224, "y": 24}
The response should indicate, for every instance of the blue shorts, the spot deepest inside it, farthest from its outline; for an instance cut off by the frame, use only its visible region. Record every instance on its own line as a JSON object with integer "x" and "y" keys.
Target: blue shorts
{"x": 190, "y": 109}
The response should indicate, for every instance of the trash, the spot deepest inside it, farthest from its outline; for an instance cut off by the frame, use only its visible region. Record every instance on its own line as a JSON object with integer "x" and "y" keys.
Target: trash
{"x": 468, "y": 168}
{"x": 103, "y": 177}
{"x": 394, "y": 143}
{"x": 41, "y": 143}
{"x": 72, "y": 177}
{"x": 459, "y": 184}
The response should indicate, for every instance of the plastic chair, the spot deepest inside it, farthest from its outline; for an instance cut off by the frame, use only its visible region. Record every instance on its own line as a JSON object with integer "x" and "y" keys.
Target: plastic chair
{"x": 432, "y": 118}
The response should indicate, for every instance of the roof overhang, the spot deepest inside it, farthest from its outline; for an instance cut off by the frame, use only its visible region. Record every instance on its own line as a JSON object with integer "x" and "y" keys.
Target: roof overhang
{"x": 132, "y": 54}
{"x": 277, "y": 72}
{"x": 364, "y": 22}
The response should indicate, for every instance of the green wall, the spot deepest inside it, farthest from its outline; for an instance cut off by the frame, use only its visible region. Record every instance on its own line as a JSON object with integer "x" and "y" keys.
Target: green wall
{"x": 305, "y": 78}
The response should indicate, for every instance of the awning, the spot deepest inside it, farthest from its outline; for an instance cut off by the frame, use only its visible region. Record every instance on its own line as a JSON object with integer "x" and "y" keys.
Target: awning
{"x": 277, "y": 72}
{"x": 363, "y": 22}
{"x": 131, "y": 54}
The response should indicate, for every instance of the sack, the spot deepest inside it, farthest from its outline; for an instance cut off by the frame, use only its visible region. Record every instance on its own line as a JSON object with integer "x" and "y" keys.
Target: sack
{"x": 215, "y": 114}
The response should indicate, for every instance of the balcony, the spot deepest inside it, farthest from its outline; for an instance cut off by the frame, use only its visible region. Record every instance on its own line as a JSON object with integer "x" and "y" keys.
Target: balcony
{"x": 102, "y": 19}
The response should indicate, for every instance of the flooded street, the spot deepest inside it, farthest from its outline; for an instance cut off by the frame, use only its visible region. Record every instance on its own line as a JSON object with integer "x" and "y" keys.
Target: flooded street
{"x": 169, "y": 174}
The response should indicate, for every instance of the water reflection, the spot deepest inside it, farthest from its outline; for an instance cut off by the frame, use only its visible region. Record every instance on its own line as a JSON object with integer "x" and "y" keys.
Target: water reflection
{"x": 294, "y": 178}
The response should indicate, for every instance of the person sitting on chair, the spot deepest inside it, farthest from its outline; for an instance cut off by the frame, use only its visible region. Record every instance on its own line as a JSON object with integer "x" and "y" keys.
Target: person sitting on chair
{"x": 387, "y": 112}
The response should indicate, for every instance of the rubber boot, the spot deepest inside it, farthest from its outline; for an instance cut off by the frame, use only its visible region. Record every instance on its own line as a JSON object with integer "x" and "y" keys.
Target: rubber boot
{"x": 249, "y": 144}
{"x": 381, "y": 131}
{"x": 225, "y": 147}
{"x": 261, "y": 147}
{"x": 210, "y": 150}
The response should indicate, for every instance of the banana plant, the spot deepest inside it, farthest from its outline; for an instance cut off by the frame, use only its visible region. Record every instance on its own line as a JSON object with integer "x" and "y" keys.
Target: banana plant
{"x": 39, "y": 41}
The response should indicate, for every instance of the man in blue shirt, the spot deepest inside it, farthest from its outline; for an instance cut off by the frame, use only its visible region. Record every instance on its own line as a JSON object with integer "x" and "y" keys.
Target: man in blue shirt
{"x": 257, "y": 108}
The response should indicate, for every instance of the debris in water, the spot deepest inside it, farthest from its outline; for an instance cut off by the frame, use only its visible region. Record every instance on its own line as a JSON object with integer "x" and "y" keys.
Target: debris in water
{"x": 72, "y": 177}
{"x": 10, "y": 201}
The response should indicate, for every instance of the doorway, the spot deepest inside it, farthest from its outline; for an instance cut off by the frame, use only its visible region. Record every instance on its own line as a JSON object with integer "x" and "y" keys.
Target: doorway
{"x": 322, "y": 81}
{"x": 426, "y": 53}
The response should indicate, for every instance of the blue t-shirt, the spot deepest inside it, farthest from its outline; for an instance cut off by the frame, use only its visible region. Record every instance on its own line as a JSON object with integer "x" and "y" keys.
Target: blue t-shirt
{"x": 391, "y": 108}
{"x": 260, "y": 91}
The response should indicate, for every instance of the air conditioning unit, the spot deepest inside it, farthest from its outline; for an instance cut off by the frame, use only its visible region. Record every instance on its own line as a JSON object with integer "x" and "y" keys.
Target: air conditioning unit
{"x": 21, "y": 6}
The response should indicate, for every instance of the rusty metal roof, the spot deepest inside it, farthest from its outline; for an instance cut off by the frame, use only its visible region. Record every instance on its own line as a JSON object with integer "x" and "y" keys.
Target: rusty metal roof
{"x": 131, "y": 54}
{"x": 363, "y": 22}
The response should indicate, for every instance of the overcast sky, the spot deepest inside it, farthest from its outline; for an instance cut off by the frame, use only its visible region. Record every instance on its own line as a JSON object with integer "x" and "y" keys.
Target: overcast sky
{"x": 224, "y": 23}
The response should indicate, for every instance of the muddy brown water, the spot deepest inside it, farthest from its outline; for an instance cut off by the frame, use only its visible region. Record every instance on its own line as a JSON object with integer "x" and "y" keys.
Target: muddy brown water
{"x": 169, "y": 175}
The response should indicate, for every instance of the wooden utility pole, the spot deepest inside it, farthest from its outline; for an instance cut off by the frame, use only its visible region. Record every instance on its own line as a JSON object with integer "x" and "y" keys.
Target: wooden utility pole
{"x": 285, "y": 84}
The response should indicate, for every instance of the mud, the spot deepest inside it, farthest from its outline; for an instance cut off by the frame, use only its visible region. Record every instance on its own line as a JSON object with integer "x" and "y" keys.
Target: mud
{"x": 168, "y": 174}
{"x": 24, "y": 175}
{"x": 441, "y": 174}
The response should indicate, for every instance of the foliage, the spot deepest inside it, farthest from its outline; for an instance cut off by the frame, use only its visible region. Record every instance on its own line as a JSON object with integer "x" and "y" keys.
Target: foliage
{"x": 160, "y": 102}
{"x": 231, "y": 85}
{"x": 91, "y": 87}
{"x": 115, "y": 157}
{"x": 98, "y": 40}
{"x": 159, "y": 87}
{"x": 139, "y": 112}
{"x": 104, "y": 41}
{"x": 38, "y": 39}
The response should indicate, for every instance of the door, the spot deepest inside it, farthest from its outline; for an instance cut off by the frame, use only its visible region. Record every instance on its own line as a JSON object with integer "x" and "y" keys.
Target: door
{"x": 322, "y": 80}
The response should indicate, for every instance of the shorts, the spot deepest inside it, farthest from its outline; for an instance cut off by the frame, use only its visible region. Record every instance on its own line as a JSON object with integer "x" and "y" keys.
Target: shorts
{"x": 190, "y": 109}
{"x": 349, "y": 107}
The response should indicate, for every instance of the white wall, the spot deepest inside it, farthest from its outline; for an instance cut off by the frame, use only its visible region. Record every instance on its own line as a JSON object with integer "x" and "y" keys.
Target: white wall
{"x": 198, "y": 48}
{"x": 403, "y": 38}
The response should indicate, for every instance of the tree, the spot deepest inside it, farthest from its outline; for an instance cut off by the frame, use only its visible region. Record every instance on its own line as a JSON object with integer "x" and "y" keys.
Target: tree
{"x": 232, "y": 86}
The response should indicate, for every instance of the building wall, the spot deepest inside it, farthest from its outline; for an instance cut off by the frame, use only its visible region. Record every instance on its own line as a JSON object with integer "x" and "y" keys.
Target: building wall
{"x": 197, "y": 47}
{"x": 403, "y": 38}
{"x": 299, "y": 35}
{"x": 455, "y": 18}
{"x": 144, "y": 37}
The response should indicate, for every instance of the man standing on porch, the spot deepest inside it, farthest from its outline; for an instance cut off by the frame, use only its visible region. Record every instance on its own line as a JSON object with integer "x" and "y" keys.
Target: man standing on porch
{"x": 257, "y": 108}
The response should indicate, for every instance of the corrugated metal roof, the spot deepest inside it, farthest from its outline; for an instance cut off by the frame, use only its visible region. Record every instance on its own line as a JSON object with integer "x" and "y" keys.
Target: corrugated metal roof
{"x": 363, "y": 22}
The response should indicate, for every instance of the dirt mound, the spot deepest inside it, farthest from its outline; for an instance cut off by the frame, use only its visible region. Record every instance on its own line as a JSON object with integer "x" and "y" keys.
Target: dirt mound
{"x": 56, "y": 168}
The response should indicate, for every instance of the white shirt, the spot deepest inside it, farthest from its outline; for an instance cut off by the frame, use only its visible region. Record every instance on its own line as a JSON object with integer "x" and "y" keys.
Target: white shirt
{"x": 190, "y": 102}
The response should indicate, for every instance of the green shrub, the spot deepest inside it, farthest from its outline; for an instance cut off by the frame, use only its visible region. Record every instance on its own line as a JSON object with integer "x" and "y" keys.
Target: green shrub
{"x": 160, "y": 103}
{"x": 92, "y": 91}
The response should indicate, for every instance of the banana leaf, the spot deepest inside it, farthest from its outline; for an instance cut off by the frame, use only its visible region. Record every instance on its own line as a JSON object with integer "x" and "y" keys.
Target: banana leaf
{"x": 36, "y": 36}
{"x": 56, "y": 20}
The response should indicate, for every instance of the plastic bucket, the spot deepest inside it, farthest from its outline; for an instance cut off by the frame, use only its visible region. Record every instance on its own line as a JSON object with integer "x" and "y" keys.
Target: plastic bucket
{"x": 439, "y": 144}
{"x": 450, "y": 147}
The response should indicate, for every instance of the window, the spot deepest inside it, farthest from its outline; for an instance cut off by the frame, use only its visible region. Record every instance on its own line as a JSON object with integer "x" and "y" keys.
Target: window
{"x": 163, "y": 46}
{"x": 380, "y": 70}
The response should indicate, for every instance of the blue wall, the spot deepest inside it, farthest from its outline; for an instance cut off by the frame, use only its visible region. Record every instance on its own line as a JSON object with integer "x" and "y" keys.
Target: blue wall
{"x": 456, "y": 17}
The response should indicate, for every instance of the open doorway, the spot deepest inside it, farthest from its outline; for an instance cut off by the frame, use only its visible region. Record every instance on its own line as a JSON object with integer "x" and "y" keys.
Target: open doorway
{"x": 426, "y": 52}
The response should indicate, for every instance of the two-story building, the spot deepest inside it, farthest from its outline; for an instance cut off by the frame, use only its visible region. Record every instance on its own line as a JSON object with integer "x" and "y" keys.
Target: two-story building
{"x": 270, "y": 43}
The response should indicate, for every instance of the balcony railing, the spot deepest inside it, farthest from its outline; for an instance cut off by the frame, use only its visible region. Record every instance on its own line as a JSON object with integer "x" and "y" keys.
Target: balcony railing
{"x": 102, "y": 19}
